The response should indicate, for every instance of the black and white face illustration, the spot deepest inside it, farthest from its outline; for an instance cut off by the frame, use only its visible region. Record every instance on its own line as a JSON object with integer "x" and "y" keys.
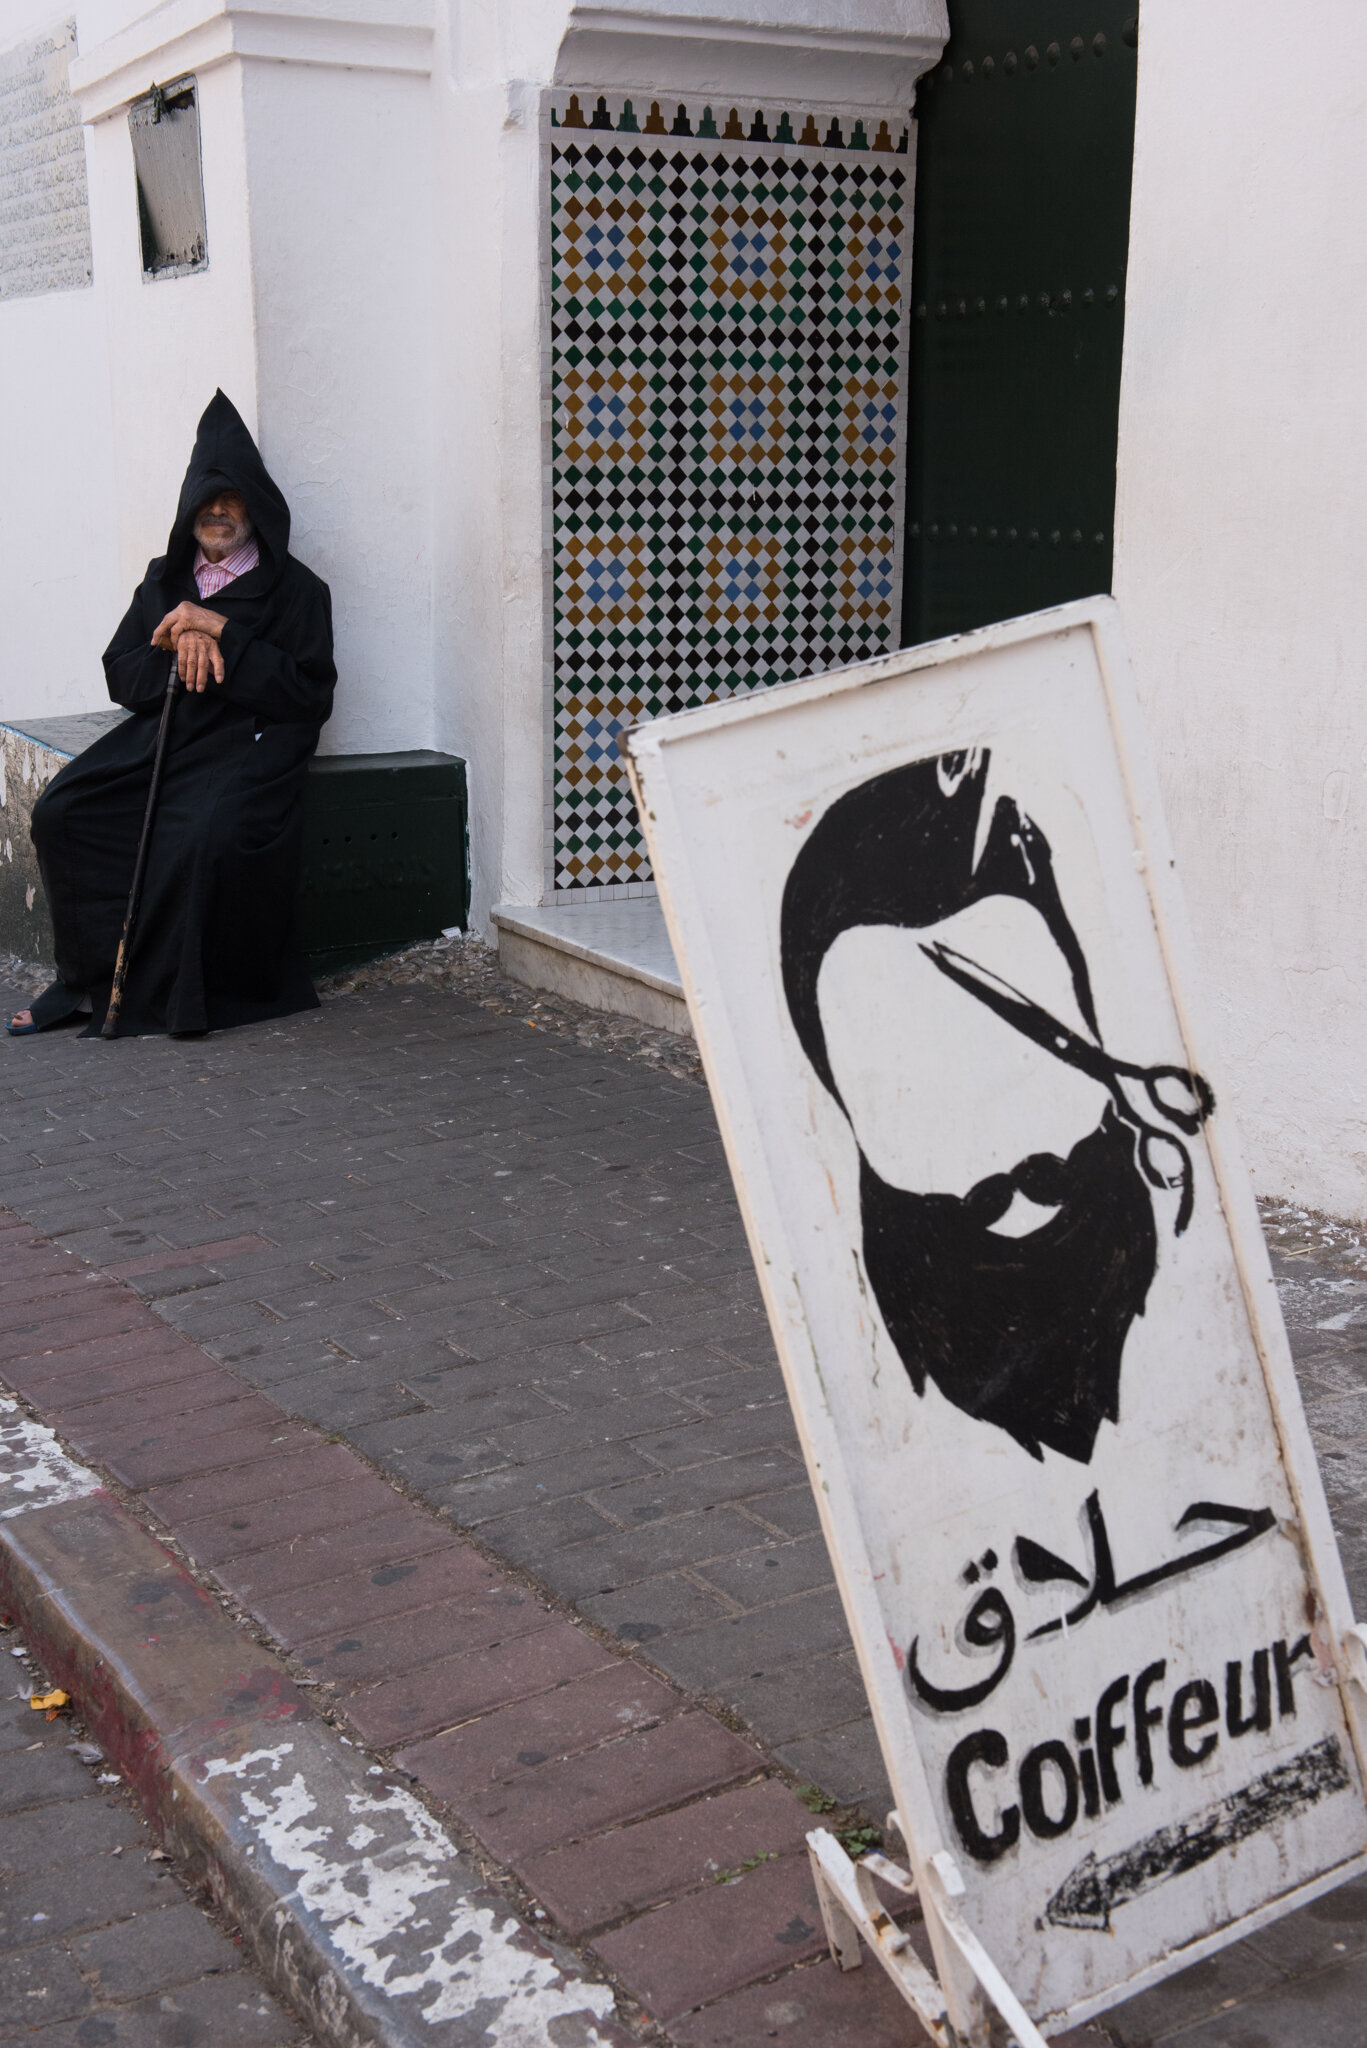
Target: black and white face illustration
{"x": 1015, "y": 1172}
{"x": 934, "y": 945}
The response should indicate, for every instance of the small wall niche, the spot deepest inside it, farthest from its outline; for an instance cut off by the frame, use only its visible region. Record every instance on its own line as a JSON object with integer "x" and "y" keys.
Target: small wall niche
{"x": 164, "y": 125}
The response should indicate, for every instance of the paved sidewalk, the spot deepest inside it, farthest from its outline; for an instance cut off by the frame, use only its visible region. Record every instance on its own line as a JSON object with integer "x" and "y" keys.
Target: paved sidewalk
{"x": 510, "y": 1270}
{"x": 101, "y": 1945}
{"x": 608, "y": 1804}
{"x": 507, "y": 1267}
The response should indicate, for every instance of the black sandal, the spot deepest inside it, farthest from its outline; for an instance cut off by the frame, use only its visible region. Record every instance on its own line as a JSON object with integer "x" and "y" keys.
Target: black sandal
{"x": 58, "y": 1004}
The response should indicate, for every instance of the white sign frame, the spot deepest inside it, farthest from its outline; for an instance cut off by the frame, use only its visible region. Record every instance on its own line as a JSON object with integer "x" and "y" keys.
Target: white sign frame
{"x": 680, "y": 780}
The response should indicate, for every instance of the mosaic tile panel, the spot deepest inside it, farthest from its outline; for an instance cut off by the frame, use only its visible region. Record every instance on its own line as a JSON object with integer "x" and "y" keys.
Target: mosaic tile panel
{"x": 728, "y": 362}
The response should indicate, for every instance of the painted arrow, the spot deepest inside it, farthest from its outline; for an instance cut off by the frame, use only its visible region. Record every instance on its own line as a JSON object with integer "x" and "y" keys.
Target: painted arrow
{"x": 1091, "y": 1891}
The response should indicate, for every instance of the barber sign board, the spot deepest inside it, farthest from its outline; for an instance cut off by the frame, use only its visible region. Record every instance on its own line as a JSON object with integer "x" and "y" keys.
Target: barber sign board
{"x": 927, "y": 924}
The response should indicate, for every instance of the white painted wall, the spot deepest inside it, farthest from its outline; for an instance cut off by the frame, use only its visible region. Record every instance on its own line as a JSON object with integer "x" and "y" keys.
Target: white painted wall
{"x": 172, "y": 341}
{"x": 340, "y": 172}
{"x": 115, "y": 377}
{"x": 62, "y": 595}
{"x": 1241, "y": 538}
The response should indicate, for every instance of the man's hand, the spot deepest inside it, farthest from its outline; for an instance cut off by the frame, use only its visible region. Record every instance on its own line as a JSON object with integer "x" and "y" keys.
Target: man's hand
{"x": 188, "y": 618}
{"x": 198, "y": 660}
{"x": 192, "y": 633}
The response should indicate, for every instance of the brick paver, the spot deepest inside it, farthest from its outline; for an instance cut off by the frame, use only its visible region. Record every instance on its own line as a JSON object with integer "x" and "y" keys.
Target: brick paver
{"x": 507, "y": 1267}
{"x": 473, "y": 1682}
{"x": 593, "y": 1884}
{"x": 696, "y": 1949}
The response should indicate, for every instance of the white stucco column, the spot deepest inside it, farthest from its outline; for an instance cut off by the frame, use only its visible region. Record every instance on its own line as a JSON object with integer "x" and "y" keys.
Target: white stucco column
{"x": 1241, "y": 524}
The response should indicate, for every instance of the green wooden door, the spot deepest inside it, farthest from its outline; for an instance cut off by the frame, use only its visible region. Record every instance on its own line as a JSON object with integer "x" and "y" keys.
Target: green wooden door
{"x": 1026, "y": 136}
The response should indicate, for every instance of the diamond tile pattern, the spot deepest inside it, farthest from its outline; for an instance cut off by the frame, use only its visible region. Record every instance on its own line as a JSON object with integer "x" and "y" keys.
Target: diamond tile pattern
{"x": 728, "y": 361}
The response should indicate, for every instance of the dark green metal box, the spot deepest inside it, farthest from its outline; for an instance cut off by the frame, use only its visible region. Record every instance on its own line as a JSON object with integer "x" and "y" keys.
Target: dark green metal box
{"x": 385, "y": 855}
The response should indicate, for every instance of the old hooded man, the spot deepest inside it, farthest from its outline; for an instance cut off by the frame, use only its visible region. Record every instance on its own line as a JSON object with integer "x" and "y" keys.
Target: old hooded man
{"x": 248, "y": 629}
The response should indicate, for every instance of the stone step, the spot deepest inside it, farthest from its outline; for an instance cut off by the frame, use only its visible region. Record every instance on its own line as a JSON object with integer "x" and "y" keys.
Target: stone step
{"x": 615, "y": 956}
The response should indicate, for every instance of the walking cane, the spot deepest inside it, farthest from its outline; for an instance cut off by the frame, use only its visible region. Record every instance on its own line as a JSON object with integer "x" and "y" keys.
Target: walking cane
{"x": 110, "y": 1026}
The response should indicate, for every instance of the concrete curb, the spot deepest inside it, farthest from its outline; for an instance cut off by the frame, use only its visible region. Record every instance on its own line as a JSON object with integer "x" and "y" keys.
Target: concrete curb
{"x": 352, "y": 1900}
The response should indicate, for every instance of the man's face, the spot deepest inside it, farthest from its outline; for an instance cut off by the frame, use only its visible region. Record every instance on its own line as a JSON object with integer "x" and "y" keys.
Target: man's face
{"x": 1008, "y": 1233}
{"x": 1008, "y": 1226}
{"x": 222, "y": 525}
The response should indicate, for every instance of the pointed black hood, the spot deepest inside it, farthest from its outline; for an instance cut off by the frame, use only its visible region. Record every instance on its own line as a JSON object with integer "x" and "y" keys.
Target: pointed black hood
{"x": 226, "y": 458}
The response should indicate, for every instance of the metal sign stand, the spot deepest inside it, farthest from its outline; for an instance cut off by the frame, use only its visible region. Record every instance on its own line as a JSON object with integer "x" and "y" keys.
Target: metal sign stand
{"x": 850, "y": 1906}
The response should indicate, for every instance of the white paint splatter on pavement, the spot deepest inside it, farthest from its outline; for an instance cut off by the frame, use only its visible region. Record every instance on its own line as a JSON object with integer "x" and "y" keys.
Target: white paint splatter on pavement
{"x": 475, "y": 1957}
{"x": 35, "y": 1472}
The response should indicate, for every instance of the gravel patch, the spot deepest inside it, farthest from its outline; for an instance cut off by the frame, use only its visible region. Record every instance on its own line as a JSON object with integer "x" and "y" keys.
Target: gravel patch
{"x": 1296, "y": 1233}
{"x": 468, "y": 967}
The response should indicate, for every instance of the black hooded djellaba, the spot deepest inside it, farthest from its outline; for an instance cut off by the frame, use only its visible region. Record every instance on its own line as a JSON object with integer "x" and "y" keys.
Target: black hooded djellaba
{"x": 214, "y": 943}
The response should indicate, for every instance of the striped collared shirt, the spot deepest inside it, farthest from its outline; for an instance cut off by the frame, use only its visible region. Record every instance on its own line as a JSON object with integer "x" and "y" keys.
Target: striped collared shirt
{"x": 211, "y": 576}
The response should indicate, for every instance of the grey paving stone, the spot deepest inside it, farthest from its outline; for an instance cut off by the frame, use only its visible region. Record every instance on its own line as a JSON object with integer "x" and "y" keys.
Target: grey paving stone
{"x": 500, "y": 1414}
{"x": 154, "y": 1950}
{"x": 609, "y": 1560}
{"x": 523, "y": 1487}
{"x": 446, "y": 1381}
{"x": 69, "y": 1833}
{"x": 845, "y": 1762}
{"x": 558, "y": 1294}
{"x": 71, "y": 1897}
{"x": 1320, "y": 1933}
{"x": 822, "y": 1693}
{"x": 697, "y": 1316}
{"x": 32, "y": 1778}
{"x": 518, "y": 1332}
{"x": 99, "y": 1943}
{"x": 759, "y": 1577}
{"x": 449, "y": 1298}
{"x": 204, "y": 1316}
{"x": 722, "y": 1436}
{"x": 39, "y": 1985}
{"x": 536, "y": 1539}
{"x": 284, "y": 1351}
{"x": 345, "y": 1399}
{"x": 587, "y": 1380}
{"x": 19, "y": 1725}
{"x": 178, "y": 1281}
{"x": 807, "y": 1626}
{"x": 554, "y": 1432}
{"x": 656, "y": 1608}
{"x": 286, "y": 1284}
{"x": 791, "y": 1510}
{"x": 759, "y": 1474}
{"x": 721, "y": 1393}
{"x": 233, "y": 2009}
{"x": 1203, "y": 1992}
{"x": 1324, "y": 2010}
